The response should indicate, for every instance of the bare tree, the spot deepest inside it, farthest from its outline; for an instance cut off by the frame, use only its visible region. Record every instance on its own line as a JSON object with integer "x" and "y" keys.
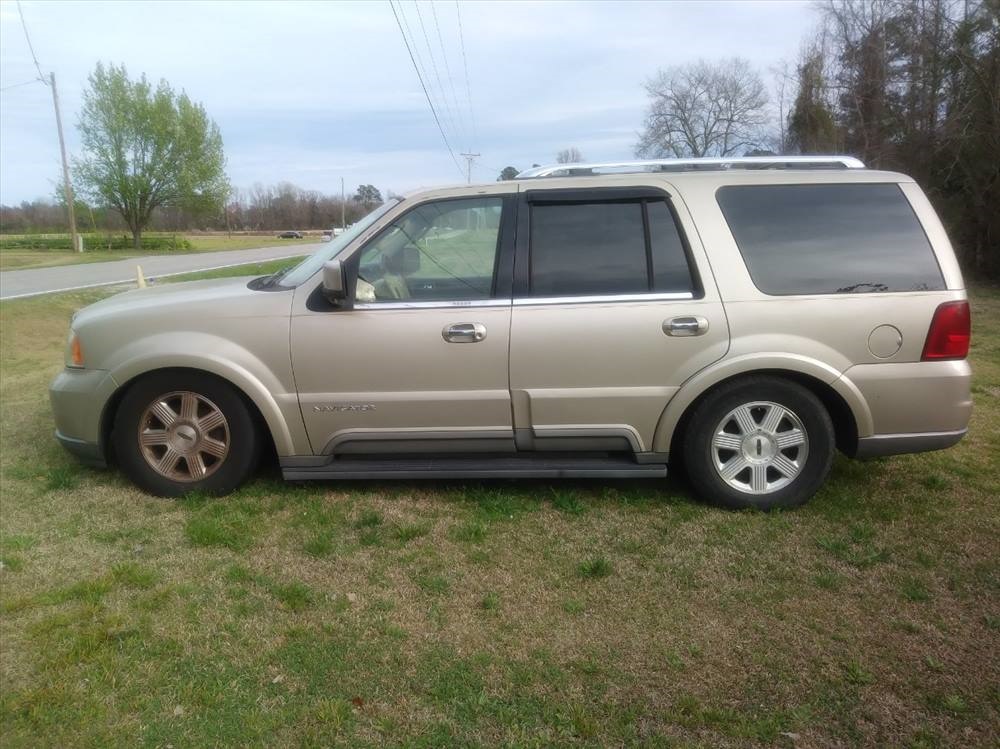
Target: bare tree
{"x": 704, "y": 109}
{"x": 569, "y": 155}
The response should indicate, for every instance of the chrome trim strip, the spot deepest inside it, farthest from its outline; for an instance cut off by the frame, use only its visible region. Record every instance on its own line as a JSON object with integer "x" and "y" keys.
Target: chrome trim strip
{"x": 417, "y": 433}
{"x": 461, "y": 304}
{"x": 653, "y": 297}
{"x": 523, "y": 301}
{"x": 586, "y": 430}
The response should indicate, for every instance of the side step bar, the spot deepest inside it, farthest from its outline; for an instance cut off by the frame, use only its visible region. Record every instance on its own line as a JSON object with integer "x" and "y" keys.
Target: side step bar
{"x": 536, "y": 466}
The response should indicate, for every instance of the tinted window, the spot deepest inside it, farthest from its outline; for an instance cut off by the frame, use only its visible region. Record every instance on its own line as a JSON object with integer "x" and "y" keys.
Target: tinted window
{"x": 439, "y": 251}
{"x": 670, "y": 264}
{"x": 829, "y": 239}
{"x": 592, "y": 248}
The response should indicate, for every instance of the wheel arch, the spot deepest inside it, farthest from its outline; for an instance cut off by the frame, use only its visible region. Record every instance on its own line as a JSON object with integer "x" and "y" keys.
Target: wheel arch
{"x": 843, "y": 401}
{"x": 263, "y": 408}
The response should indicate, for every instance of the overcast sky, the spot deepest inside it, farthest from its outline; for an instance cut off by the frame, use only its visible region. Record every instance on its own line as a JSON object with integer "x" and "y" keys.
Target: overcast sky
{"x": 309, "y": 92}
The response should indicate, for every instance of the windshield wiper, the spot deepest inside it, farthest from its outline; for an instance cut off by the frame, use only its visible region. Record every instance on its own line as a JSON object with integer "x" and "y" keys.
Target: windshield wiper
{"x": 272, "y": 280}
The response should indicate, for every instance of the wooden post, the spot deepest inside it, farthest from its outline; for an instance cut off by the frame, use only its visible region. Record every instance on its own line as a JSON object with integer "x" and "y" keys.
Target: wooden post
{"x": 67, "y": 187}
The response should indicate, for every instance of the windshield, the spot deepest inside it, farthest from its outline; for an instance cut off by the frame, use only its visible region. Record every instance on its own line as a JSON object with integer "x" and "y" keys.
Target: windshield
{"x": 305, "y": 270}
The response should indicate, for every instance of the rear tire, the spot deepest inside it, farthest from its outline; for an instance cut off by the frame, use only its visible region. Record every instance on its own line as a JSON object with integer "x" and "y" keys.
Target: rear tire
{"x": 759, "y": 442}
{"x": 177, "y": 432}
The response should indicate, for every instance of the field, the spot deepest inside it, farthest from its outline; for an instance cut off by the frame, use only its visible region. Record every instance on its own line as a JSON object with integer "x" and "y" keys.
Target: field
{"x": 17, "y": 259}
{"x": 514, "y": 613}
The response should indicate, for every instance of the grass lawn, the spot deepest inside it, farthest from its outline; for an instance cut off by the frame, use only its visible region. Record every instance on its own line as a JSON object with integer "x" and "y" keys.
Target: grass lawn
{"x": 40, "y": 258}
{"x": 517, "y": 613}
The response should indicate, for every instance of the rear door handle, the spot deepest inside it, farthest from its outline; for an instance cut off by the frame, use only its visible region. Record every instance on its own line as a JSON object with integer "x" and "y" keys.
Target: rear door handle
{"x": 685, "y": 326}
{"x": 464, "y": 332}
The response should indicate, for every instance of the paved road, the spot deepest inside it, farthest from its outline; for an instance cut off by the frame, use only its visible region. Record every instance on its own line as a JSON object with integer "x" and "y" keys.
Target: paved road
{"x": 35, "y": 281}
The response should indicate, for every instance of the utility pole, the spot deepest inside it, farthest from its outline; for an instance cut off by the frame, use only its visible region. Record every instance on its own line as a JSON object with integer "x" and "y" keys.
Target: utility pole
{"x": 67, "y": 187}
{"x": 468, "y": 165}
{"x": 343, "y": 206}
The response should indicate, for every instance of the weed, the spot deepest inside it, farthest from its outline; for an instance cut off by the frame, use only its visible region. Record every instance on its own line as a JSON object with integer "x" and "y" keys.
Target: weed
{"x": 469, "y": 532}
{"x": 319, "y": 545}
{"x": 595, "y": 567}
{"x": 410, "y": 531}
{"x": 913, "y": 589}
{"x": 134, "y": 575}
{"x": 490, "y": 602}
{"x": 368, "y": 519}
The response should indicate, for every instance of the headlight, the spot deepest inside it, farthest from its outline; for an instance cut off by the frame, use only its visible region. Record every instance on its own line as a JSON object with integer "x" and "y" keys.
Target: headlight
{"x": 74, "y": 353}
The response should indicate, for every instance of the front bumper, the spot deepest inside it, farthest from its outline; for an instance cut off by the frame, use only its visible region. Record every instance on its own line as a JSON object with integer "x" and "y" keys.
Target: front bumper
{"x": 89, "y": 453}
{"x": 78, "y": 398}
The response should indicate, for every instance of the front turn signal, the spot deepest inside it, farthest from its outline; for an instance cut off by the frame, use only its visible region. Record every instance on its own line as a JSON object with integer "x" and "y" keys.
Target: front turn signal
{"x": 75, "y": 351}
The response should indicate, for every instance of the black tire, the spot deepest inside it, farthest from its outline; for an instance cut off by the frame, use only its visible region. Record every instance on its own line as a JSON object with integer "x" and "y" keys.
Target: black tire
{"x": 240, "y": 431}
{"x": 700, "y": 456}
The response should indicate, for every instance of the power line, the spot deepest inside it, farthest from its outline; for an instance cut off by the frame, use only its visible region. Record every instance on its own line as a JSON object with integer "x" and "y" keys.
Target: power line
{"x": 15, "y": 85}
{"x": 421, "y": 66}
{"x": 41, "y": 75}
{"x": 424, "y": 87}
{"x": 449, "y": 119}
{"x": 451, "y": 79}
{"x": 75, "y": 240}
{"x": 465, "y": 65}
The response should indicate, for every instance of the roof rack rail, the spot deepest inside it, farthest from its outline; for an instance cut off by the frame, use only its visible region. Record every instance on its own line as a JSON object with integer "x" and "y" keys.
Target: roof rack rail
{"x": 691, "y": 165}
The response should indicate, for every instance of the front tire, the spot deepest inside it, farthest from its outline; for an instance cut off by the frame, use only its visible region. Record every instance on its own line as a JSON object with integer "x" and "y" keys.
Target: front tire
{"x": 180, "y": 432}
{"x": 759, "y": 442}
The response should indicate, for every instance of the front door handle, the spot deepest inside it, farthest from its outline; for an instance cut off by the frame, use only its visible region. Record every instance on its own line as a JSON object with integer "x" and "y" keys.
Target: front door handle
{"x": 685, "y": 326}
{"x": 464, "y": 332}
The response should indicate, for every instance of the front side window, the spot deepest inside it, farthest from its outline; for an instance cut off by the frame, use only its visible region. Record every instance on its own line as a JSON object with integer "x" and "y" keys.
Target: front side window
{"x": 829, "y": 239}
{"x": 440, "y": 251}
{"x": 606, "y": 248}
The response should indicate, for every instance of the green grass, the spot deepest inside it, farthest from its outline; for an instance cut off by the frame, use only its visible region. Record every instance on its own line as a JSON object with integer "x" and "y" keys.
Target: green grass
{"x": 595, "y": 567}
{"x": 17, "y": 259}
{"x": 591, "y": 613}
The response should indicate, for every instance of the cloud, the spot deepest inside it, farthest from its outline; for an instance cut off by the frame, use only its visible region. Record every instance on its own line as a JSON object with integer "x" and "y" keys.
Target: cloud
{"x": 308, "y": 92}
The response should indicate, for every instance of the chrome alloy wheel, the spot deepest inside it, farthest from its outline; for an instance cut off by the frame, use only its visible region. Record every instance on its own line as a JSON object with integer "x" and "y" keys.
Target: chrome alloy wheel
{"x": 759, "y": 447}
{"x": 183, "y": 436}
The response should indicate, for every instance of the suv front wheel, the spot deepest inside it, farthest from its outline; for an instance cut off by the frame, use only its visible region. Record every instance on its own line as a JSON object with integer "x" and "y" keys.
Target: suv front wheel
{"x": 759, "y": 442}
{"x": 181, "y": 431}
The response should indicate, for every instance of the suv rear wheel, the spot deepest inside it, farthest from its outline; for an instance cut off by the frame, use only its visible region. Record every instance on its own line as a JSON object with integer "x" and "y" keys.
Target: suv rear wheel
{"x": 179, "y": 432}
{"x": 759, "y": 442}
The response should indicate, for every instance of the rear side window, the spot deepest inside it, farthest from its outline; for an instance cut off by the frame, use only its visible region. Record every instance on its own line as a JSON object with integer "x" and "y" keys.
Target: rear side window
{"x": 606, "y": 248}
{"x": 829, "y": 239}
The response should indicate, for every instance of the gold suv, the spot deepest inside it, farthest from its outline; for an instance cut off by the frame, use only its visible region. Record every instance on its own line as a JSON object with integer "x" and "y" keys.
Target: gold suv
{"x": 742, "y": 317}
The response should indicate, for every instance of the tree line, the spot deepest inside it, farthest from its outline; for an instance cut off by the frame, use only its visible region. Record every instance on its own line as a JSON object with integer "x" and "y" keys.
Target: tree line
{"x": 908, "y": 85}
{"x": 258, "y": 208}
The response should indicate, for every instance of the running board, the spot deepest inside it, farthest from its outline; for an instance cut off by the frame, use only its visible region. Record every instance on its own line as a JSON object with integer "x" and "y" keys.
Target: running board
{"x": 536, "y": 467}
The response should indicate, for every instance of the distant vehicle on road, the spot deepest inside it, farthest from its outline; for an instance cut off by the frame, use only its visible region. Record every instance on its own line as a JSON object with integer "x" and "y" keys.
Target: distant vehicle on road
{"x": 290, "y": 235}
{"x": 329, "y": 234}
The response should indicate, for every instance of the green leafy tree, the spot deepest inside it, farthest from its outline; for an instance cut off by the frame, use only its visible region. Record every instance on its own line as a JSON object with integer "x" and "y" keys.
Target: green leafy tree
{"x": 147, "y": 148}
{"x": 368, "y": 195}
{"x": 508, "y": 173}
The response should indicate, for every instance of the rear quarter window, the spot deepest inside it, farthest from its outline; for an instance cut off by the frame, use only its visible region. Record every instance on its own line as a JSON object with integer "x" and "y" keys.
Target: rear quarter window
{"x": 829, "y": 239}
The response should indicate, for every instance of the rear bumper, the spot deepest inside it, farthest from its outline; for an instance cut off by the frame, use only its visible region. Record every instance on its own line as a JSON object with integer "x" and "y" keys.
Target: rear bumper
{"x": 915, "y": 401}
{"x": 895, "y": 444}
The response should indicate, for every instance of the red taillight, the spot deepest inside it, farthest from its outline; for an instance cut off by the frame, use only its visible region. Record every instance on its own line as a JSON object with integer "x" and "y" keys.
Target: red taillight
{"x": 948, "y": 337}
